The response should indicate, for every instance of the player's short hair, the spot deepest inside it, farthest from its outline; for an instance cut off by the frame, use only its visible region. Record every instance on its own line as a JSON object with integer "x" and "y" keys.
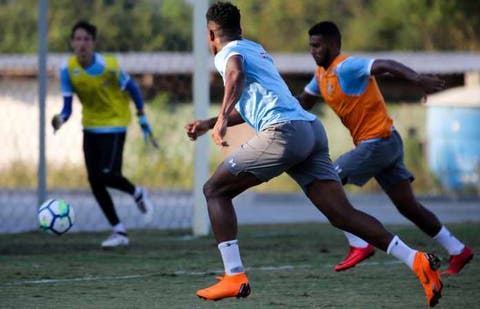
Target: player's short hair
{"x": 224, "y": 14}
{"x": 85, "y": 25}
{"x": 326, "y": 29}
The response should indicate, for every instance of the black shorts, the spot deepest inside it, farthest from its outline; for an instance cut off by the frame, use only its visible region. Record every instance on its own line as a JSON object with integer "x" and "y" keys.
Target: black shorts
{"x": 103, "y": 152}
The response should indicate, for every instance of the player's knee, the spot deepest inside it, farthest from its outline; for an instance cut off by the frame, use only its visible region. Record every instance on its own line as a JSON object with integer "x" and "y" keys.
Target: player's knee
{"x": 110, "y": 177}
{"x": 96, "y": 184}
{"x": 94, "y": 179}
{"x": 101, "y": 178}
{"x": 211, "y": 189}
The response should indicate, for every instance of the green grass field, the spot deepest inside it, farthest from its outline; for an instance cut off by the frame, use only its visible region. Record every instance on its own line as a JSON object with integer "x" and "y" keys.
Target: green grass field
{"x": 290, "y": 266}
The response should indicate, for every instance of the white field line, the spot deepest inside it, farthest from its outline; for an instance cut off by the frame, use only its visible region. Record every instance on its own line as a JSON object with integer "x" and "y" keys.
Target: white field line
{"x": 179, "y": 273}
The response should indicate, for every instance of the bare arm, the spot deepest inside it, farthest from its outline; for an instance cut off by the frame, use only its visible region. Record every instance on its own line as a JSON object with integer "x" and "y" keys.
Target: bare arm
{"x": 307, "y": 100}
{"x": 234, "y": 85}
{"x": 233, "y": 119}
{"x": 228, "y": 116}
{"x": 429, "y": 83}
{"x": 197, "y": 128}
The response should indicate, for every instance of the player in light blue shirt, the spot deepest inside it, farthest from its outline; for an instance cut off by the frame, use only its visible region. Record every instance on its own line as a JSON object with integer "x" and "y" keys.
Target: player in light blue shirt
{"x": 266, "y": 99}
{"x": 287, "y": 140}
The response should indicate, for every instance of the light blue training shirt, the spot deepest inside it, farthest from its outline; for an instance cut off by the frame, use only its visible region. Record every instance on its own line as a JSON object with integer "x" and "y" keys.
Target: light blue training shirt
{"x": 266, "y": 99}
{"x": 353, "y": 74}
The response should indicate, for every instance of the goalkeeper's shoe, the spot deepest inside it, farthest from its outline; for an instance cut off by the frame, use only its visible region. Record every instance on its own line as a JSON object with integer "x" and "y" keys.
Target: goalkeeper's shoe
{"x": 144, "y": 204}
{"x": 355, "y": 256}
{"x": 425, "y": 266}
{"x": 458, "y": 261}
{"x": 57, "y": 122}
{"x": 228, "y": 286}
{"x": 115, "y": 240}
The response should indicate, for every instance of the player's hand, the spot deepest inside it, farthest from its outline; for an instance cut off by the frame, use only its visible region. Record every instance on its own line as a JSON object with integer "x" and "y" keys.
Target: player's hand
{"x": 430, "y": 83}
{"x": 146, "y": 129}
{"x": 196, "y": 128}
{"x": 57, "y": 122}
{"x": 219, "y": 131}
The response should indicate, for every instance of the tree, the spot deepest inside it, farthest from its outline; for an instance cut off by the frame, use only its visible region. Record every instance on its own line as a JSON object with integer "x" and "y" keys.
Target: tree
{"x": 280, "y": 25}
{"x": 19, "y": 26}
{"x": 125, "y": 25}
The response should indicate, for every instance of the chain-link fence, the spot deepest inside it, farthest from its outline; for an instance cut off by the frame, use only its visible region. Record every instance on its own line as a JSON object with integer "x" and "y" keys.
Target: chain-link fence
{"x": 165, "y": 79}
{"x": 164, "y": 69}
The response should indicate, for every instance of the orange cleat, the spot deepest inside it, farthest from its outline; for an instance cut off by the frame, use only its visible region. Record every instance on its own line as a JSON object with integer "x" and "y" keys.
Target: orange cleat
{"x": 228, "y": 286}
{"x": 355, "y": 256}
{"x": 425, "y": 266}
{"x": 457, "y": 262}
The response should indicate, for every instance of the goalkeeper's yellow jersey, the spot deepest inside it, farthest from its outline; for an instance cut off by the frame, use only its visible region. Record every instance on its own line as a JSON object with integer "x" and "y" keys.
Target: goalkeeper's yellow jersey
{"x": 99, "y": 88}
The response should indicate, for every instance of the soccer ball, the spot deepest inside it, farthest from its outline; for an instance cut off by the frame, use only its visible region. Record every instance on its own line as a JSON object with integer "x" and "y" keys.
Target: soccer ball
{"x": 56, "y": 216}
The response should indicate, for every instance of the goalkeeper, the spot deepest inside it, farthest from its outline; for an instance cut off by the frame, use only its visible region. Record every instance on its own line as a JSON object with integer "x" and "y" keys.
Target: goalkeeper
{"x": 103, "y": 90}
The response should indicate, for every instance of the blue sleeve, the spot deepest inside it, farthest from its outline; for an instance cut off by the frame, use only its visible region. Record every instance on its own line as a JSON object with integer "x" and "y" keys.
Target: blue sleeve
{"x": 67, "y": 92}
{"x": 67, "y": 107}
{"x": 65, "y": 83}
{"x": 123, "y": 79}
{"x": 312, "y": 87}
{"x": 132, "y": 87}
{"x": 353, "y": 75}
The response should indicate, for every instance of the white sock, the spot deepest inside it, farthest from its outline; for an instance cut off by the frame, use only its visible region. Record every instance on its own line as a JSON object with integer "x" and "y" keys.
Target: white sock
{"x": 138, "y": 191}
{"x": 448, "y": 241}
{"x": 401, "y": 251}
{"x": 355, "y": 241}
{"x": 231, "y": 257}
{"x": 119, "y": 228}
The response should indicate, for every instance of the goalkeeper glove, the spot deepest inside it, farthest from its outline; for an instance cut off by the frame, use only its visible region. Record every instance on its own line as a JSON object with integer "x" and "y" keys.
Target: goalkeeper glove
{"x": 147, "y": 130}
{"x": 57, "y": 122}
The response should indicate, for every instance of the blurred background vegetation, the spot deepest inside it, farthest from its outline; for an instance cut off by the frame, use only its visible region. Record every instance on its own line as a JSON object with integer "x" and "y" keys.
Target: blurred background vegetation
{"x": 280, "y": 25}
{"x": 171, "y": 166}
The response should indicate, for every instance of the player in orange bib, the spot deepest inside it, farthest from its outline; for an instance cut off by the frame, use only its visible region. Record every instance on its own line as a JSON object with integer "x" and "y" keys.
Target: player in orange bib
{"x": 348, "y": 86}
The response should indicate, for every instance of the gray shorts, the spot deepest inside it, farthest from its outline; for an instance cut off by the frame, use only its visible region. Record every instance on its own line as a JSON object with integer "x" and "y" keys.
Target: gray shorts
{"x": 297, "y": 147}
{"x": 382, "y": 159}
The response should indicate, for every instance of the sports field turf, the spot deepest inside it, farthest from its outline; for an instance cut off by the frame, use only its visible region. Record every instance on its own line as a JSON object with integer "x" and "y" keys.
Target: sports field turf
{"x": 289, "y": 266}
